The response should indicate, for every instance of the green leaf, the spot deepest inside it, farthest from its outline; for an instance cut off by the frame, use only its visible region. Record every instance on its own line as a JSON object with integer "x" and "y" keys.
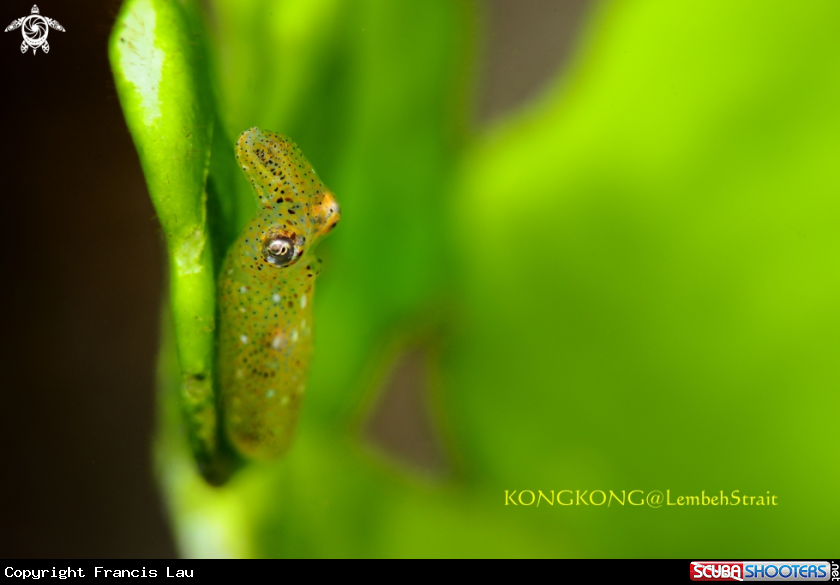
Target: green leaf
{"x": 166, "y": 99}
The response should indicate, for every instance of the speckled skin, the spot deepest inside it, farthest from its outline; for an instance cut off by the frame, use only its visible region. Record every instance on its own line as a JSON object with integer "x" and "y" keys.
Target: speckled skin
{"x": 265, "y": 310}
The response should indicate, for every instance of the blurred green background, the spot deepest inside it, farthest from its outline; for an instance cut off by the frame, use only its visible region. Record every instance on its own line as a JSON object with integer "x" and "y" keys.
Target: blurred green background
{"x": 621, "y": 281}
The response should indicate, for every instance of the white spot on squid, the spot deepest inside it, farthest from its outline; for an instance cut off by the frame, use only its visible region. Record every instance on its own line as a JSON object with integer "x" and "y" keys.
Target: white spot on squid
{"x": 302, "y": 301}
{"x": 275, "y": 297}
{"x": 241, "y": 309}
{"x": 243, "y": 290}
{"x": 294, "y": 335}
{"x": 239, "y": 373}
{"x": 270, "y": 394}
{"x": 243, "y": 338}
{"x": 277, "y": 342}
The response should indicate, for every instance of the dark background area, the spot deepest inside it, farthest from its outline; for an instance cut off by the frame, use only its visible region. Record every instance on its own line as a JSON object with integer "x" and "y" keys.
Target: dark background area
{"x": 83, "y": 275}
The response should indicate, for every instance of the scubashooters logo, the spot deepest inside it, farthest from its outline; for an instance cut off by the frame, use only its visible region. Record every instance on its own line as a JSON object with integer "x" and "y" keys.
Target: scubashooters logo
{"x": 35, "y": 29}
{"x": 761, "y": 571}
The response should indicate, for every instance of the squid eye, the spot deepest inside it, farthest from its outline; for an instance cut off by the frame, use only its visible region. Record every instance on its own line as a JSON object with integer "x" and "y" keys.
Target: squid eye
{"x": 279, "y": 250}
